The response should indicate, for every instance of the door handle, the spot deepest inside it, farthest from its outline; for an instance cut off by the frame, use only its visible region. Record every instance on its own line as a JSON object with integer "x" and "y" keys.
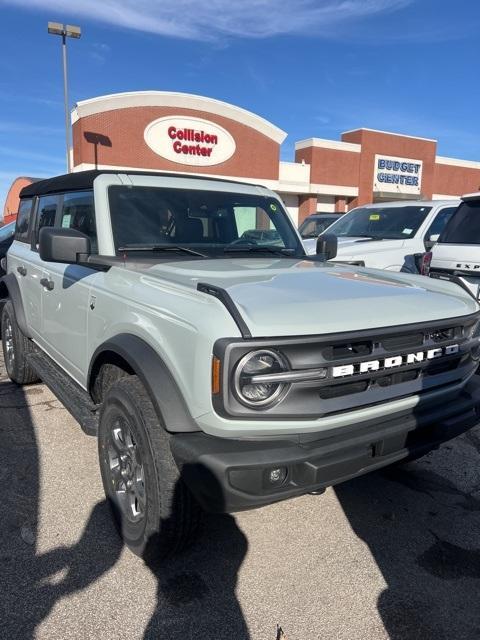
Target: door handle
{"x": 48, "y": 284}
{"x": 22, "y": 271}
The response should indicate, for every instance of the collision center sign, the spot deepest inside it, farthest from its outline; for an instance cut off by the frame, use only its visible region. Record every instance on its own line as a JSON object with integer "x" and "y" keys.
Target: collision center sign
{"x": 191, "y": 141}
{"x": 400, "y": 175}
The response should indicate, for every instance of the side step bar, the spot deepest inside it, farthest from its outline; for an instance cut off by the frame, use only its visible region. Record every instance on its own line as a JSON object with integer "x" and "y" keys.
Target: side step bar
{"x": 75, "y": 399}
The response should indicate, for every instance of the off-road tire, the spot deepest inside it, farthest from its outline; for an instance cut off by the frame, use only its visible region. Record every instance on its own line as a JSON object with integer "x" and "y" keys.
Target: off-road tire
{"x": 16, "y": 347}
{"x": 171, "y": 515}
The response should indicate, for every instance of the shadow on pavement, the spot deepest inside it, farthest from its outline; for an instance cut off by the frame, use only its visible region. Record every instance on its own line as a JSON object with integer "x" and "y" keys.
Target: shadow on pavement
{"x": 196, "y": 590}
{"x": 31, "y": 583}
{"x": 423, "y": 532}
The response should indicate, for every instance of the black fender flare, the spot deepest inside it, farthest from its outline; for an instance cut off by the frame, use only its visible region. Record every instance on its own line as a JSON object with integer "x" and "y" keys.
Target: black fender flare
{"x": 155, "y": 376}
{"x": 9, "y": 289}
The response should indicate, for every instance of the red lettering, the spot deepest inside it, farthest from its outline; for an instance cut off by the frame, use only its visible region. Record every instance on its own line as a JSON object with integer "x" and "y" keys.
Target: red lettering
{"x": 172, "y": 132}
{"x": 177, "y": 147}
{"x": 214, "y": 139}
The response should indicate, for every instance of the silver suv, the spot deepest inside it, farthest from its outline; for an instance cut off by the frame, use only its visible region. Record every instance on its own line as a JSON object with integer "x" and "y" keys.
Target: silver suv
{"x": 179, "y": 319}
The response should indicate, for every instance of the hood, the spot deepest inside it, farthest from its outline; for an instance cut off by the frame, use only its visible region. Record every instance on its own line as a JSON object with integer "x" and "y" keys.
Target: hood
{"x": 282, "y": 297}
{"x": 355, "y": 246}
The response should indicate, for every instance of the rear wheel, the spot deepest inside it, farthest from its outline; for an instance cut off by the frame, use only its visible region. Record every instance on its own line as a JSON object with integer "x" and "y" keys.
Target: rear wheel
{"x": 16, "y": 347}
{"x": 154, "y": 511}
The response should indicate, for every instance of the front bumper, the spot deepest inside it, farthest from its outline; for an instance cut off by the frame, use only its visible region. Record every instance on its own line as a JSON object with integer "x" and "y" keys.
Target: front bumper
{"x": 227, "y": 475}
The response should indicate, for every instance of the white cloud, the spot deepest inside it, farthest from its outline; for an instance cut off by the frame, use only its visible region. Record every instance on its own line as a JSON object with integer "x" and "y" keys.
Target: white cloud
{"x": 99, "y": 52}
{"x": 213, "y": 19}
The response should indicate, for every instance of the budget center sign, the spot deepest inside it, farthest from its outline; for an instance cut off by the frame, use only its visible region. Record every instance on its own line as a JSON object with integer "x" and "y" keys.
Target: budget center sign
{"x": 400, "y": 175}
{"x": 190, "y": 141}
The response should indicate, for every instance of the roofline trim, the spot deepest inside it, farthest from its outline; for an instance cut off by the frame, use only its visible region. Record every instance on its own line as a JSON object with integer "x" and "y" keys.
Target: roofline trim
{"x": 322, "y": 143}
{"x": 389, "y": 133}
{"x": 177, "y": 100}
{"x": 456, "y": 162}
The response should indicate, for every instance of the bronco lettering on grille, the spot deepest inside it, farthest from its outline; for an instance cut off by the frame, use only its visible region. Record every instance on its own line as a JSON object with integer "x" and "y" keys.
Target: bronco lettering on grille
{"x": 344, "y": 370}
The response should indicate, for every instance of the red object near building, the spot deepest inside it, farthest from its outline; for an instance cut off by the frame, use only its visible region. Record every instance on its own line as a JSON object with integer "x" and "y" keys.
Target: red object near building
{"x": 10, "y": 209}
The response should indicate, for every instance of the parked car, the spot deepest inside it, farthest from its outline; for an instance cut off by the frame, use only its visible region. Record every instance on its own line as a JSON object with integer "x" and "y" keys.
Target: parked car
{"x": 218, "y": 373}
{"x": 6, "y": 238}
{"x": 317, "y": 223}
{"x": 456, "y": 255}
{"x": 392, "y": 235}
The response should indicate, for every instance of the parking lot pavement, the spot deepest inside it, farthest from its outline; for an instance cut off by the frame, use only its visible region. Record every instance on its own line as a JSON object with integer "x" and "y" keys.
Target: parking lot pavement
{"x": 391, "y": 555}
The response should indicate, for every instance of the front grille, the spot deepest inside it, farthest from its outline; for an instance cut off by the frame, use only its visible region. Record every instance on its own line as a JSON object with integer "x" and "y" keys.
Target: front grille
{"x": 363, "y": 368}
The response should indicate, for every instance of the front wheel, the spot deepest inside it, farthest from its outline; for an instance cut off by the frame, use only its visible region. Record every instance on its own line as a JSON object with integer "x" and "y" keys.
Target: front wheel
{"x": 154, "y": 511}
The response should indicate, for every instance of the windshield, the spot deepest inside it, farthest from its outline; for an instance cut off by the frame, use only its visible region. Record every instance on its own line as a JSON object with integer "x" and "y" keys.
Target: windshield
{"x": 464, "y": 226}
{"x": 7, "y": 231}
{"x": 383, "y": 223}
{"x": 208, "y": 222}
{"x": 313, "y": 228}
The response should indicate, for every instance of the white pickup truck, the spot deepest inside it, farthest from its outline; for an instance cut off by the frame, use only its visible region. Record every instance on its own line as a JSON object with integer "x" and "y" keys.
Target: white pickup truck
{"x": 391, "y": 235}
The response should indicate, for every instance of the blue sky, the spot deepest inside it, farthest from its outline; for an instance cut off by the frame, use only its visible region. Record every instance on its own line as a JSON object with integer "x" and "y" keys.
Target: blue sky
{"x": 312, "y": 67}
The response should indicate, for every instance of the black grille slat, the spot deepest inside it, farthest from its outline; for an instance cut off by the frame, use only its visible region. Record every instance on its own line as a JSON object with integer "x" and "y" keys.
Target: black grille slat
{"x": 347, "y": 350}
{"x": 401, "y": 342}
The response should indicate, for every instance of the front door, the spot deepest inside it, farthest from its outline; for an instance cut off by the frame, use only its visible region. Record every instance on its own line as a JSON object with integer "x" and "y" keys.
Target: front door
{"x": 66, "y": 292}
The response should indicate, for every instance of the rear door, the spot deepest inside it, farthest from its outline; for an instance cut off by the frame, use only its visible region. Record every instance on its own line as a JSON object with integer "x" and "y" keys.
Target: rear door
{"x": 28, "y": 266}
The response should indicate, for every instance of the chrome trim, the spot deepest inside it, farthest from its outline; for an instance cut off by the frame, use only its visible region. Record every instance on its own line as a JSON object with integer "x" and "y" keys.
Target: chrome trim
{"x": 290, "y": 376}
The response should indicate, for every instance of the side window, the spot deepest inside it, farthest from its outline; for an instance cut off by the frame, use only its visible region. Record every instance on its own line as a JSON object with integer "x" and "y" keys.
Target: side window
{"x": 440, "y": 222}
{"x": 47, "y": 211}
{"x": 255, "y": 226}
{"x": 78, "y": 213}
{"x": 23, "y": 220}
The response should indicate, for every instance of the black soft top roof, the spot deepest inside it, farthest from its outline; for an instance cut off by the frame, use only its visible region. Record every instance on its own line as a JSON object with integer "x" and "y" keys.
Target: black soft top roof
{"x": 81, "y": 180}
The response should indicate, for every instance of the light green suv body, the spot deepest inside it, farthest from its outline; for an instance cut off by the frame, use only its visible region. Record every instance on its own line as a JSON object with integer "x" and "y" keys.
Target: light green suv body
{"x": 361, "y": 365}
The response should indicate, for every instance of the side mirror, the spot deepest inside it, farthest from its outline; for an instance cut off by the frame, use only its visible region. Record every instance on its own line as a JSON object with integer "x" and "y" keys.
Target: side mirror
{"x": 431, "y": 240}
{"x": 62, "y": 245}
{"x": 327, "y": 245}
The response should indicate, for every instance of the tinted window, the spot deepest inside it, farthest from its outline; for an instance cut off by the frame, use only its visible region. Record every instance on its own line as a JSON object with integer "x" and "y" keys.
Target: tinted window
{"x": 47, "y": 210}
{"x": 394, "y": 223}
{"x": 440, "y": 222}
{"x": 211, "y": 220}
{"x": 78, "y": 213}
{"x": 23, "y": 220}
{"x": 7, "y": 231}
{"x": 464, "y": 226}
{"x": 313, "y": 228}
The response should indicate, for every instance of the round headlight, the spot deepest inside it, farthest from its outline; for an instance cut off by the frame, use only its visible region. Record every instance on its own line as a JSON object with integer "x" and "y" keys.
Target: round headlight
{"x": 249, "y": 387}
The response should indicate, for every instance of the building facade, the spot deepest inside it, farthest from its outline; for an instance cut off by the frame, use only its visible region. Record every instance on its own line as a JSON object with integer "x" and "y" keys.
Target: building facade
{"x": 164, "y": 131}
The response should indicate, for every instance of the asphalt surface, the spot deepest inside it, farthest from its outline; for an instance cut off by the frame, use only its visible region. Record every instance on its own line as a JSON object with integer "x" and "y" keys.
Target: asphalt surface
{"x": 393, "y": 555}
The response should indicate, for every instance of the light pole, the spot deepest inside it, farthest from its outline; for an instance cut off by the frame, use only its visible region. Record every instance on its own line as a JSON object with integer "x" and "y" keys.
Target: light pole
{"x": 66, "y": 31}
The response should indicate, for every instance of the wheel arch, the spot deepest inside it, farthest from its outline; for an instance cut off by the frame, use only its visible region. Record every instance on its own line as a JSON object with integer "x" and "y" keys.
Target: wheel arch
{"x": 9, "y": 289}
{"x": 143, "y": 361}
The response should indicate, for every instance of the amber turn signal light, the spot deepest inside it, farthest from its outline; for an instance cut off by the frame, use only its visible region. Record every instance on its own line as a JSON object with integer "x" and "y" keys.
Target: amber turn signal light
{"x": 215, "y": 375}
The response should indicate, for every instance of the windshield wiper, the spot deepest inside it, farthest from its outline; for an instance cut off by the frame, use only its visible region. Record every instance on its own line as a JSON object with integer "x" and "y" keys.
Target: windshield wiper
{"x": 256, "y": 248}
{"x": 161, "y": 247}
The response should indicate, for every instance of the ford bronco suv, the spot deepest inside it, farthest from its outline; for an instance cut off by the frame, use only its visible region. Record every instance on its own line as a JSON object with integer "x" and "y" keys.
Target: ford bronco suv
{"x": 180, "y": 320}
